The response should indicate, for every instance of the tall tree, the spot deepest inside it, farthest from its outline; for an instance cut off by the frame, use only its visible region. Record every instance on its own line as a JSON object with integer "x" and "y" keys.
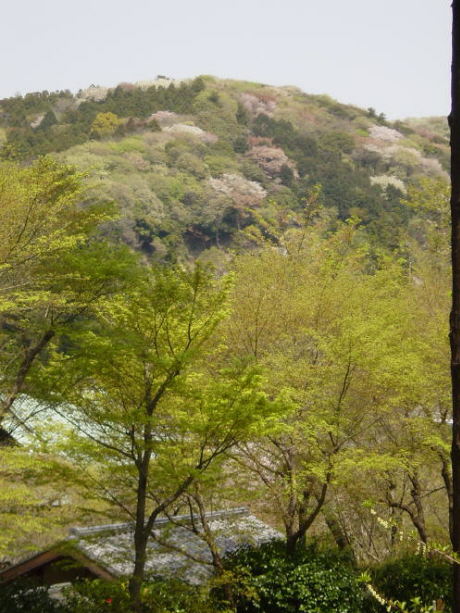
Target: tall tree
{"x": 151, "y": 410}
{"x": 325, "y": 321}
{"x": 454, "y": 122}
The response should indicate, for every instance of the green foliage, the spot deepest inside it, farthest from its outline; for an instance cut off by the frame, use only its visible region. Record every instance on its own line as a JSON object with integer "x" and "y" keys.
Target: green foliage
{"x": 415, "y": 605}
{"x": 133, "y": 101}
{"x": 104, "y": 125}
{"x": 325, "y": 320}
{"x": 148, "y": 366}
{"x": 350, "y": 338}
{"x": 27, "y": 596}
{"x": 48, "y": 120}
{"x": 321, "y": 161}
{"x": 76, "y": 122}
{"x": 240, "y": 144}
{"x": 415, "y": 576}
{"x": 97, "y": 596}
{"x": 55, "y": 268}
{"x": 174, "y": 596}
{"x": 312, "y": 581}
{"x": 158, "y": 596}
{"x": 324, "y": 143}
{"x": 216, "y": 112}
{"x": 283, "y": 133}
{"x": 335, "y": 143}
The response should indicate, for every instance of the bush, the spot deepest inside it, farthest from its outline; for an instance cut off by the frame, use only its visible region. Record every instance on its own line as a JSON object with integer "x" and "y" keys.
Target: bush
{"x": 312, "y": 581}
{"x": 160, "y": 596}
{"x": 27, "y": 597}
{"x": 97, "y": 596}
{"x": 175, "y": 596}
{"x": 415, "y": 576}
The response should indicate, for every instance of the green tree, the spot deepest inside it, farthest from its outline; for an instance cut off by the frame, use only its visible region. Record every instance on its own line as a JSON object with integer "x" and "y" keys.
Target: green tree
{"x": 53, "y": 266}
{"x": 324, "y": 322}
{"x": 105, "y": 125}
{"x": 150, "y": 408}
{"x": 428, "y": 406}
{"x": 54, "y": 269}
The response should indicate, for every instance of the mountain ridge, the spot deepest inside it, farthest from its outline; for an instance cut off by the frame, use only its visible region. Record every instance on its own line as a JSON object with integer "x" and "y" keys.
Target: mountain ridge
{"x": 199, "y": 164}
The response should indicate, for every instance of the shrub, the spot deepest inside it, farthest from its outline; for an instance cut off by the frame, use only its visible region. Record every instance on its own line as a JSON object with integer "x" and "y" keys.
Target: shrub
{"x": 175, "y": 596}
{"x": 312, "y": 581}
{"x": 240, "y": 144}
{"x": 160, "y": 596}
{"x": 414, "y": 576}
{"x": 97, "y": 596}
{"x": 27, "y": 597}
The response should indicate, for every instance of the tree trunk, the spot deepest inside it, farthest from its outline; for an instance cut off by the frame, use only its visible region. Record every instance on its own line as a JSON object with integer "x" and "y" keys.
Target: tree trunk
{"x": 291, "y": 543}
{"x": 210, "y": 541}
{"x": 305, "y": 518}
{"x": 454, "y": 122}
{"x": 26, "y": 364}
{"x": 140, "y": 536}
{"x": 419, "y": 515}
{"x": 447, "y": 478}
{"x": 338, "y": 533}
{"x": 137, "y": 578}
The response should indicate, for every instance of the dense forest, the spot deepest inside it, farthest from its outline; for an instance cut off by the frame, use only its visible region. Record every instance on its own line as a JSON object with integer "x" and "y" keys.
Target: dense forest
{"x": 209, "y": 163}
{"x": 215, "y": 294}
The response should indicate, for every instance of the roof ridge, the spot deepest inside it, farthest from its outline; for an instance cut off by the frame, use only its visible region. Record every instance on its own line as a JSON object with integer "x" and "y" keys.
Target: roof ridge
{"x": 119, "y": 527}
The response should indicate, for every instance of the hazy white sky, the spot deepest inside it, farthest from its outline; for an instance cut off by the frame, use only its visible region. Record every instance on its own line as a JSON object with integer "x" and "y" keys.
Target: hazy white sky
{"x": 392, "y": 55}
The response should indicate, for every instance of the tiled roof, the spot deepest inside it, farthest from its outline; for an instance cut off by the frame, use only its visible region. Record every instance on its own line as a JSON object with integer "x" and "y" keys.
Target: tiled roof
{"x": 174, "y": 550}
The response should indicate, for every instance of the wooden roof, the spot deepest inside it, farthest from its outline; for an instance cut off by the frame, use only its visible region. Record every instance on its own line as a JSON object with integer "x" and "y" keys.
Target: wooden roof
{"x": 50, "y": 555}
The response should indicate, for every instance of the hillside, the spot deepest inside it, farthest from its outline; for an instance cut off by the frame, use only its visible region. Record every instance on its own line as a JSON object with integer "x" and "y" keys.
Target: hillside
{"x": 209, "y": 163}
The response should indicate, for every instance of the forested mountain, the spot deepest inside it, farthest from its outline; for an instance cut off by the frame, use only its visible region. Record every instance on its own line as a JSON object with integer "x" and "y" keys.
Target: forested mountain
{"x": 208, "y": 163}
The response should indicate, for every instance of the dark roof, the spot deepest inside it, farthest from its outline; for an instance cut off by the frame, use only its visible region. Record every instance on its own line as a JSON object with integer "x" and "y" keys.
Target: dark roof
{"x": 43, "y": 558}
